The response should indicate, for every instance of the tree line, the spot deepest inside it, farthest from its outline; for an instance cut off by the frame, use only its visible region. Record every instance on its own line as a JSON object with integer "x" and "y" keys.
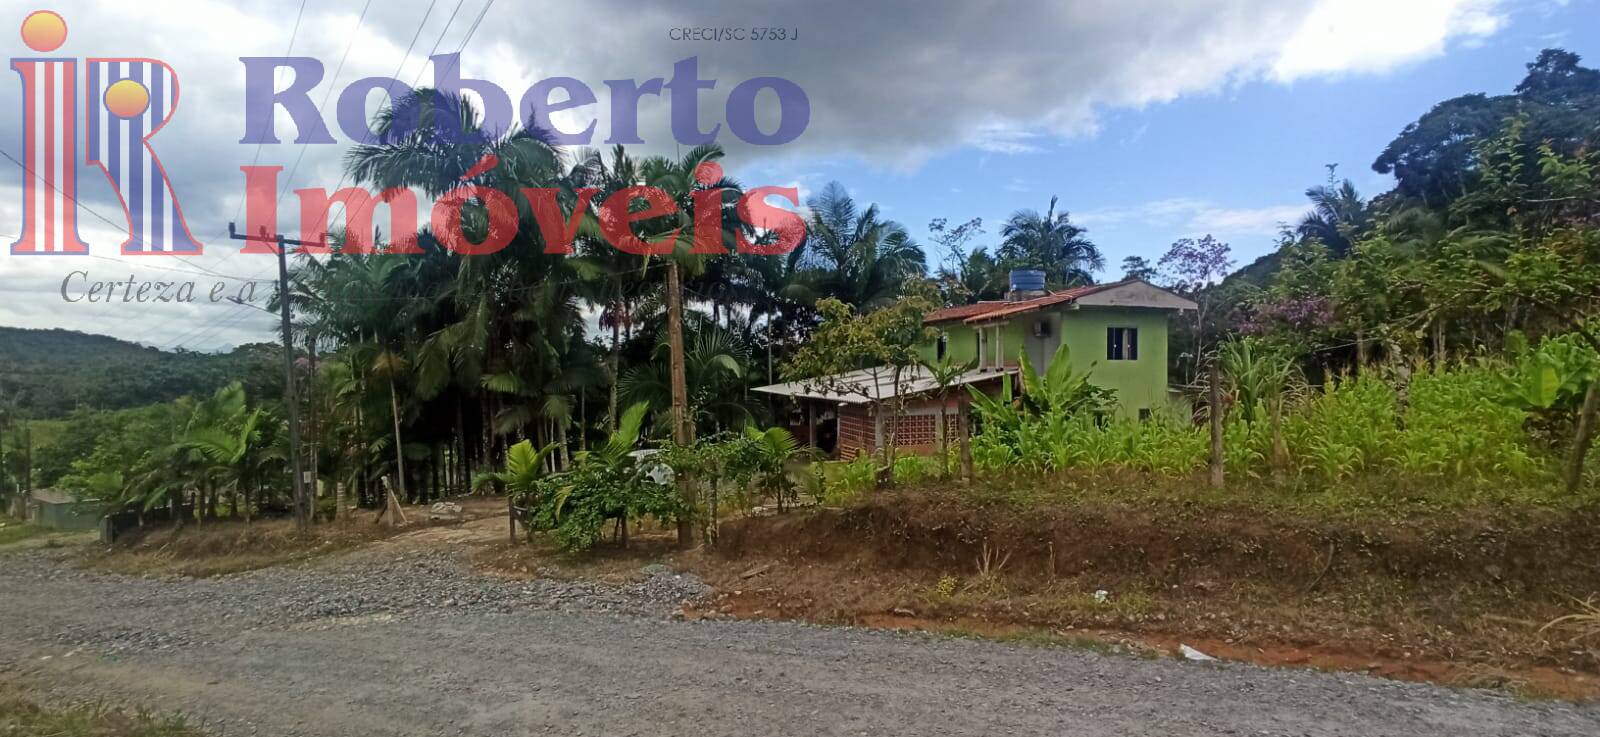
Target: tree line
{"x": 418, "y": 372}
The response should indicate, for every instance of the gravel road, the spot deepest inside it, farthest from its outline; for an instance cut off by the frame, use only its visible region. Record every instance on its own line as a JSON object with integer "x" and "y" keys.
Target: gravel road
{"x": 391, "y": 642}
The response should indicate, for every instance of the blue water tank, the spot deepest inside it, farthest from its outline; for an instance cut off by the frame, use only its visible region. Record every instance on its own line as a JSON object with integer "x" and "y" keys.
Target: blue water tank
{"x": 1027, "y": 280}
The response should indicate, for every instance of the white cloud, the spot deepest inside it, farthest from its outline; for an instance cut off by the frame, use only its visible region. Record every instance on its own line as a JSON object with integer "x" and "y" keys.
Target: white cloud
{"x": 1196, "y": 217}
{"x": 1006, "y": 139}
{"x": 1246, "y": 220}
{"x": 891, "y": 83}
{"x": 1375, "y": 35}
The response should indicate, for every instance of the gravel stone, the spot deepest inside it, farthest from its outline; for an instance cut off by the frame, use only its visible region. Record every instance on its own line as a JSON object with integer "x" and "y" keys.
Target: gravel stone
{"x": 411, "y": 642}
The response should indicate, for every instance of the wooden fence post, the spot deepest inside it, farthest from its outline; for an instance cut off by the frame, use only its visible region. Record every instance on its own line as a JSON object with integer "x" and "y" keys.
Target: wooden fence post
{"x": 1214, "y": 400}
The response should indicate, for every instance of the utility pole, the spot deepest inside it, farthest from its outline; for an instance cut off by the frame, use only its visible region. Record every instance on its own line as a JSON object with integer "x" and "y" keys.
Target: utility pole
{"x": 302, "y": 505}
{"x": 316, "y": 419}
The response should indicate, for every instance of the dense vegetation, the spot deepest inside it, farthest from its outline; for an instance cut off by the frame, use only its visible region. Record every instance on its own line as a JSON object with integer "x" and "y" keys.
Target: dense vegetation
{"x": 51, "y": 373}
{"x": 1444, "y": 329}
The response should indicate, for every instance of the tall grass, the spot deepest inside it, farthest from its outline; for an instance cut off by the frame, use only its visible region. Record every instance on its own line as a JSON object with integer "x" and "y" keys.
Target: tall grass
{"x": 1447, "y": 423}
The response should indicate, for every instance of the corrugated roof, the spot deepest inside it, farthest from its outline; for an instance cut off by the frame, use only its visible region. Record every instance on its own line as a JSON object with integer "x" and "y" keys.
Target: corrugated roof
{"x": 866, "y": 385}
{"x": 1029, "y": 305}
{"x": 961, "y": 312}
{"x": 994, "y": 310}
{"x": 53, "y": 496}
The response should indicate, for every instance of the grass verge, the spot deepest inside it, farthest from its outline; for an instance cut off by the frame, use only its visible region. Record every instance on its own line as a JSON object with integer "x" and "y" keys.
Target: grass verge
{"x": 15, "y": 531}
{"x": 22, "y": 716}
{"x": 220, "y": 548}
{"x": 1456, "y": 594}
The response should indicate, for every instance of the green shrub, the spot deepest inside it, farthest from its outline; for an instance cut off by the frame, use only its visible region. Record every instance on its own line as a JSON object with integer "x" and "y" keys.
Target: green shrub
{"x": 847, "y": 481}
{"x": 1453, "y": 424}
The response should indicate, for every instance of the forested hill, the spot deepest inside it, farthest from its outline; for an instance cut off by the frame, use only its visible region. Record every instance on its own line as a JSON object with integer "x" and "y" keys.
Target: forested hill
{"x": 52, "y": 372}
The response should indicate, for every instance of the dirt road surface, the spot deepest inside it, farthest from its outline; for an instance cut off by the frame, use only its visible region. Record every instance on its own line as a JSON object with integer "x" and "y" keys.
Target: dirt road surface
{"x": 395, "y": 641}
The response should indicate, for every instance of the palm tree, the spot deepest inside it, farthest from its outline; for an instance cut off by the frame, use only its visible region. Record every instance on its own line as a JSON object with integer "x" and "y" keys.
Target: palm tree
{"x": 855, "y": 256}
{"x": 1051, "y": 243}
{"x": 525, "y": 468}
{"x": 508, "y": 315}
{"x": 973, "y": 277}
{"x": 944, "y": 373}
{"x": 231, "y": 437}
{"x": 776, "y": 450}
{"x": 681, "y": 179}
{"x": 1338, "y": 215}
{"x": 714, "y": 365}
{"x": 618, "y": 471}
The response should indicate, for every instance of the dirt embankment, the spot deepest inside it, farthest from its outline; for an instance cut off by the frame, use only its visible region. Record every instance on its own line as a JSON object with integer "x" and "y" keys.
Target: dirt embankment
{"x": 1460, "y": 597}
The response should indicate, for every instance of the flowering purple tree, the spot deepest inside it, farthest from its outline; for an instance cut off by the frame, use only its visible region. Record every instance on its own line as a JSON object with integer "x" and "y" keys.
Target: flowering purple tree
{"x": 1191, "y": 267}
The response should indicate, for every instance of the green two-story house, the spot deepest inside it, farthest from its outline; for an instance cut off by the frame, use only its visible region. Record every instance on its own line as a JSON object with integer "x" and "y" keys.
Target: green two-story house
{"x": 1115, "y": 332}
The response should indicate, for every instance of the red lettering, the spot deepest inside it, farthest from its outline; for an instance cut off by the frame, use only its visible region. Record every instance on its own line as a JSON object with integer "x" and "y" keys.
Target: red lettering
{"x": 788, "y": 226}
{"x": 261, "y": 207}
{"x": 615, "y": 220}
{"x": 359, "y": 206}
{"x": 446, "y": 220}
{"x": 547, "y": 215}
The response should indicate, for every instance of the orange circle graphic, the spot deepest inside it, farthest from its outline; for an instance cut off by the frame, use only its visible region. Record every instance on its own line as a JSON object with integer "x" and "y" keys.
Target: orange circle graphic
{"x": 44, "y": 30}
{"x": 126, "y": 98}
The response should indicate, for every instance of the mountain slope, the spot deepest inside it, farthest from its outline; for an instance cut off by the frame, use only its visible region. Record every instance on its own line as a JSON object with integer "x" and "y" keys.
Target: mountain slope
{"x": 52, "y": 372}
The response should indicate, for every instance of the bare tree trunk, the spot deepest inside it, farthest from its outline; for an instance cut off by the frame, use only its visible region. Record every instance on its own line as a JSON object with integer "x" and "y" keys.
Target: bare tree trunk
{"x": 1438, "y": 343}
{"x": 1214, "y": 398}
{"x": 463, "y": 477}
{"x": 511, "y": 517}
{"x": 1584, "y": 436}
{"x": 486, "y": 429}
{"x": 965, "y": 432}
{"x": 616, "y": 357}
{"x": 682, "y": 430}
{"x": 399, "y": 453}
{"x": 944, "y": 438}
{"x": 878, "y": 442}
{"x": 561, "y": 447}
{"x": 893, "y": 442}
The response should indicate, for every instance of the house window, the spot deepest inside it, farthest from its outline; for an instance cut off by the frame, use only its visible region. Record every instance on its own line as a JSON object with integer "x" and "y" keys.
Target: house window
{"x": 1122, "y": 344}
{"x": 941, "y": 346}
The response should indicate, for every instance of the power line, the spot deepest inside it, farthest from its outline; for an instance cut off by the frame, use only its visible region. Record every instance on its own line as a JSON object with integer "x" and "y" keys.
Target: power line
{"x": 268, "y": 121}
{"x": 398, "y": 68}
{"x": 108, "y": 221}
{"x": 343, "y": 208}
{"x": 333, "y": 83}
{"x": 212, "y": 327}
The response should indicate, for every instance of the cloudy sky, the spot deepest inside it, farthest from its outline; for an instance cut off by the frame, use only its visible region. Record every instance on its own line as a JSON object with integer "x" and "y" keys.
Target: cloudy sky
{"x": 1151, "y": 119}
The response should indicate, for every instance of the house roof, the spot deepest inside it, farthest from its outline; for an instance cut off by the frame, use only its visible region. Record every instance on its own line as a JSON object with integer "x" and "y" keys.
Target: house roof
{"x": 1126, "y": 293}
{"x": 867, "y": 385}
{"x": 962, "y": 312}
{"x": 52, "y": 496}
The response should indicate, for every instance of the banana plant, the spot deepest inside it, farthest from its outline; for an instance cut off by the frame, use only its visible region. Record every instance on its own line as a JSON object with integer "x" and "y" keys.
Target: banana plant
{"x": 1060, "y": 391}
{"x": 1555, "y": 374}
